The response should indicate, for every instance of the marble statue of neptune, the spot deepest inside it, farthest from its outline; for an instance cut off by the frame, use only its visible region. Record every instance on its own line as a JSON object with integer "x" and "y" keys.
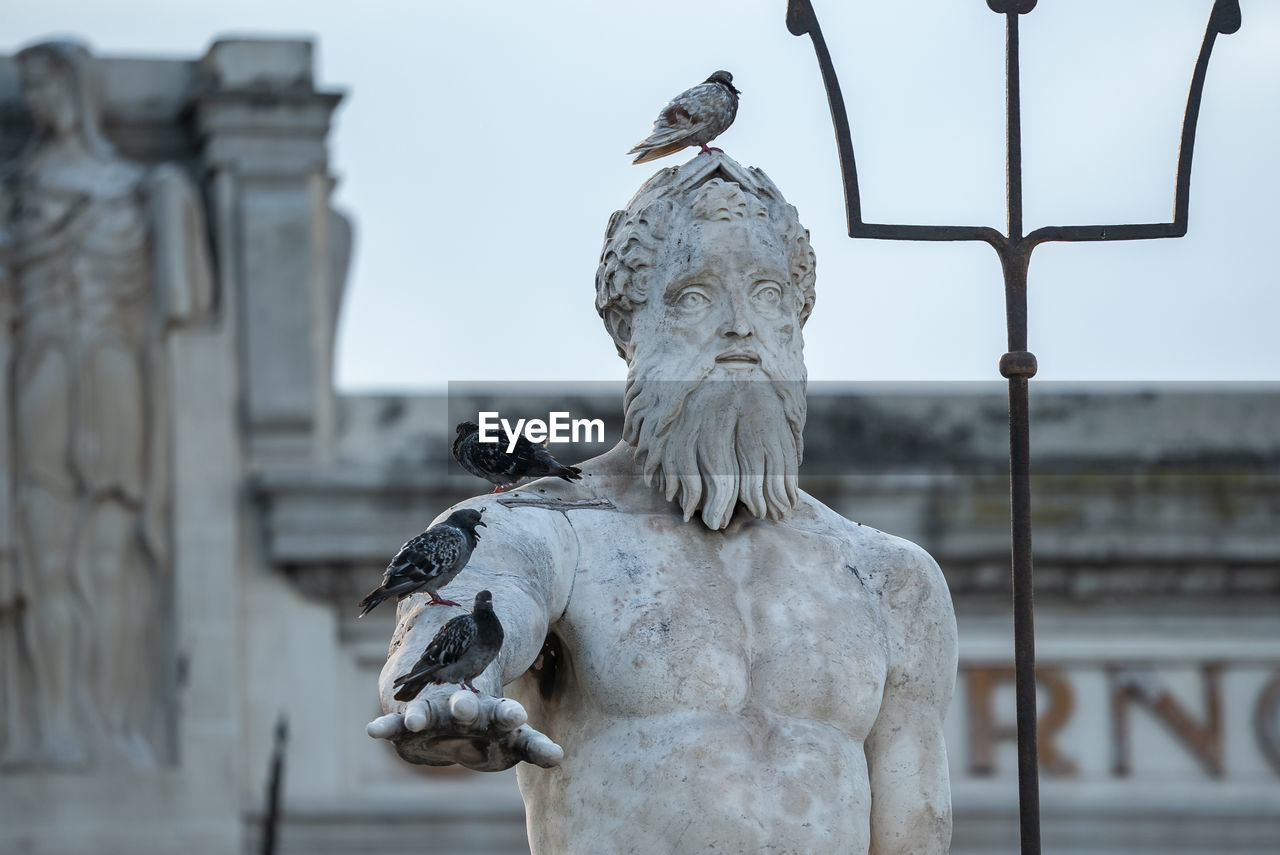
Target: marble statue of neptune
{"x": 717, "y": 661}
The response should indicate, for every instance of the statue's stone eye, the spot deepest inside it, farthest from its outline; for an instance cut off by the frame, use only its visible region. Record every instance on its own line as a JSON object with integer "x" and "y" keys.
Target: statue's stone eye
{"x": 692, "y": 299}
{"x": 768, "y": 294}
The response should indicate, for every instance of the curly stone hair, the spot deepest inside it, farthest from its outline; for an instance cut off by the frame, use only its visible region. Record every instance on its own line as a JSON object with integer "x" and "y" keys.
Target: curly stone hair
{"x": 707, "y": 188}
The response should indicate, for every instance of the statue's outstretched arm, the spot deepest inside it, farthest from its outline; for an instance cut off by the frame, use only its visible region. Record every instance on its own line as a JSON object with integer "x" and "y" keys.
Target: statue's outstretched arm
{"x": 526, "y": 558}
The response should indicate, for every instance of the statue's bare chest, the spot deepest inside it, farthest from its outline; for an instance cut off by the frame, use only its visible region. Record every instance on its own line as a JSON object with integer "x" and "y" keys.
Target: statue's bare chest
{"x": 667, "y": 616}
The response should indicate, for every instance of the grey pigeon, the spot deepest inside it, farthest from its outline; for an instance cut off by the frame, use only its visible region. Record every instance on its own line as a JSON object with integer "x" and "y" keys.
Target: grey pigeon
{"x": 490, "y": 460}
{"x": 460, "y": 651}
{"x": 694, "y": 117}
{"x": 429, "y": 561}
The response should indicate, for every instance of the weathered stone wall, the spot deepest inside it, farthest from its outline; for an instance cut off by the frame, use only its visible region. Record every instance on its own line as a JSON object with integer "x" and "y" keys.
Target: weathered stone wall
{"x": 247, "y": 384}
{"x": 1157, "y": 565}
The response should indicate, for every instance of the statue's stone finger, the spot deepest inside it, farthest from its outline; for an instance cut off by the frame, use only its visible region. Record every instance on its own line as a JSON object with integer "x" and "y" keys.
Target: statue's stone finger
{"x": 539, "y": 748}
{"x": 465, "y": 707}
{"x": 417, "y": 716}
{"x": 509, "y": 714}
{"x": 385, "y": 727}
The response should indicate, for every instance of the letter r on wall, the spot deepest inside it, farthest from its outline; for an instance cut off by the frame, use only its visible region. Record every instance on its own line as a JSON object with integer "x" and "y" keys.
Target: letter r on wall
{"x": 985, "y": 731}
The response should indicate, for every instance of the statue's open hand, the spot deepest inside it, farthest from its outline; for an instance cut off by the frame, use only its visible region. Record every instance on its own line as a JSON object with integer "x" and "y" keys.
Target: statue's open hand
{"x": 443, "y": 726}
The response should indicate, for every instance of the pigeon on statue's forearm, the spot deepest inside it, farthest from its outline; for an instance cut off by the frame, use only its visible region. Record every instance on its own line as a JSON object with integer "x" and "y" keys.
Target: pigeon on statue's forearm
{"x": 429, "y": 561}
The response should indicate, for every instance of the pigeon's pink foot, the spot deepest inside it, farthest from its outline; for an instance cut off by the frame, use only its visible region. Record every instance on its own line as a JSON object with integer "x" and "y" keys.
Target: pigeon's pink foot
{"x": 706, "y": 149}
{"x": 436, "y": 601}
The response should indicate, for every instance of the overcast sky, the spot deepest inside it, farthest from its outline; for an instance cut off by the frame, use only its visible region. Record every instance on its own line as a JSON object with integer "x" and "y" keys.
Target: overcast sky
{"x": 481, "y": 149}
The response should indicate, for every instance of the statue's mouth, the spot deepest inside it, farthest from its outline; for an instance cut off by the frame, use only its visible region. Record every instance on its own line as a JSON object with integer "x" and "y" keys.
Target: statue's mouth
{"x": 739, "y": 356}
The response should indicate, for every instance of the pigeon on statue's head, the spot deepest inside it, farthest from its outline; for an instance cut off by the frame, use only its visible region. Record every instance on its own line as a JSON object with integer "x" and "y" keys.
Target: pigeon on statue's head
{"x": 429, "y": 561}
{"x": 492, "y": 462}
{"x": 459, "y": 652}
{"x": 694, "y": 117}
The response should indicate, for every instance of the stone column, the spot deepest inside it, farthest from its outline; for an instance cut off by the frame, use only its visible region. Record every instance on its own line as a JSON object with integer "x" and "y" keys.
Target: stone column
{"x": 263, "y": 128}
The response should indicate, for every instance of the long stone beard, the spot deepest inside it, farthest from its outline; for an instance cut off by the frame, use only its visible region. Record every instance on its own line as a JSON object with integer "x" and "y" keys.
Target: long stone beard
{"x": 714, "y": 442}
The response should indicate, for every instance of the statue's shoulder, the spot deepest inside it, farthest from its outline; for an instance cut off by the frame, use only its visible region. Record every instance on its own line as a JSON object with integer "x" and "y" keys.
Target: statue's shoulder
{"x": 105, "y": 178}
{"x": 609, "y": 482}
{"x": 896, "y": 568}
{"x": 168, "y": 180}
{"x": 169, "y": 173}
{"x": 509, "y": 512}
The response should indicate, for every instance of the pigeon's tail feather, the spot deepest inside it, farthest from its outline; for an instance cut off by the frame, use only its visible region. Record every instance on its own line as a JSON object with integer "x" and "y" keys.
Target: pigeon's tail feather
{"x": 660, "y": 136}
{"x": 375, "y": 596}
{"x": 410, "y": 685}
{"x": 551, "y": 466}
{"x": 660, "y": 151}
{"x": 409, "y": 690}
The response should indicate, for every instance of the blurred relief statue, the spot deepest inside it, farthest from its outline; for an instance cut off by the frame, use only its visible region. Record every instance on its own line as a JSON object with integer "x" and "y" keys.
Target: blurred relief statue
{"x": 717, "y": 660}
{"x": 100, "y": 259}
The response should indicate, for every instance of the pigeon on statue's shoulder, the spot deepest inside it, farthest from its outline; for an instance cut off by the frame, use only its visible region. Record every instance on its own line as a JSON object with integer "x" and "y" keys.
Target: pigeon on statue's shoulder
{"x": 459, "y": 652}
{"x": 429, "y": 561}
{"x": 694, "y": 117}
{"x": 492, "y": 462}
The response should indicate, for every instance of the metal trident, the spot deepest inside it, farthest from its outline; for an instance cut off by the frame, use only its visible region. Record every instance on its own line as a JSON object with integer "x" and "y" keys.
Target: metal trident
{"x": 1018, "y": 365}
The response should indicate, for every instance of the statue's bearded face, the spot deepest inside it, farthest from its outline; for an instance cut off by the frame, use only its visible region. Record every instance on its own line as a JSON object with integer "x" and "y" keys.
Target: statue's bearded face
{"x": 715, "y": 392}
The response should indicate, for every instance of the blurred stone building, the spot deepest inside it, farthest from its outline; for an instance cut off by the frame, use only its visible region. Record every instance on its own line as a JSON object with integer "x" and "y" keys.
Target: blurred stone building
{"x": 1156, "y": 538}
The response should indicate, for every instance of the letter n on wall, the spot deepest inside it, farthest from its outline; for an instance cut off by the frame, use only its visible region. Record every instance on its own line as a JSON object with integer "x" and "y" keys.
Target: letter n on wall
{"x": 1129, "y": 684}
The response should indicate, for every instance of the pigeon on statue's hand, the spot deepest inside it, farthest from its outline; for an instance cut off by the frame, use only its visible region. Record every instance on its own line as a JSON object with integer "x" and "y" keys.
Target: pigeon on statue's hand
{"x": 492, "y": 462}
{"x": 694, "y": 117}
{"x": 429, "y": 561}
{"x": 458, "y": 653}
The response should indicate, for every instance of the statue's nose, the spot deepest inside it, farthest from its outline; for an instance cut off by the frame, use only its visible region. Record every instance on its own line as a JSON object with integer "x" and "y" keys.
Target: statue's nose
{"x": 737, "y": 321}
